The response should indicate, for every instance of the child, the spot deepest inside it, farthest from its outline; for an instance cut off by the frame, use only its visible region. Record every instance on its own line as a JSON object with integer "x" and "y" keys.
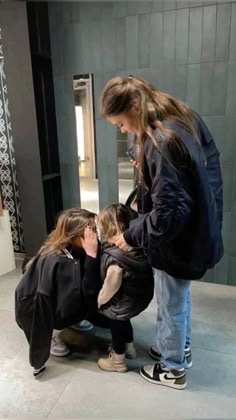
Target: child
{"x": 60, "y": 285}
{"x": 127, "y": 286}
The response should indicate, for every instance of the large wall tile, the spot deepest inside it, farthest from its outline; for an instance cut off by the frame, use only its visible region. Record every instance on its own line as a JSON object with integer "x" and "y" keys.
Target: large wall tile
{"x": 226, "y": 231}
{"x": 98, "y": 82}
{"x": 138, "y": 7}
{"x": 169, "y": 37}
{"x": 182, "y": 4}
{"x": 157, "y": 6}
{"x": 168, "y": 79}
{"x": 227, "y": 171}
{"x": 120, "y": 28}
{"x": 144, "y": 40}
{"x": 131, "y": 41}
{"x": 74, "y": 10}
{"x": 233, "y": 180}
{"x": 209, "y": 2}
{"x": 169, "y": 4}
{"x": 231, "y": 90}
{"x": 221, "y": 271}
{"x": 222, "y": 129}
{"x": 108, "y": 44}
{"x": 195, "y": 35}
{"x": 232, "y": 242}
{"x": 208, "y": 33}
{"x": 223, "y": 32}
{"x": 232, "y": 271}
{"x": 182, "y": 34}
{"x": 120, "y": 9}
{"x": 89, "y": 11}
{"x": 154, "y": 76}
{"x": 206, "y": 88}
{"x": 156, "y": 39}
{"x": 193, "y": 86}
{"x": 107, "y": 11}
{"x": 219, "y": 91}
{"x": 209, "y": 276}
{"x": 195, "y": 3}
{"x": 91, "y": 46}
{"x": 232, "y": 52}
{"x": 181, "y": 82}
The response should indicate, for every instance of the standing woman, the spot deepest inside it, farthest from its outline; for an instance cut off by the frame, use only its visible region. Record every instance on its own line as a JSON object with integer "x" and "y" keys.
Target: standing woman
{"x": 180, "y": 209}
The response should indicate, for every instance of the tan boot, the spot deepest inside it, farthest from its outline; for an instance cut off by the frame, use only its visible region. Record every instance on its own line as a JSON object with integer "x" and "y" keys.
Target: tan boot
{"x": 130, "y": 350}
{"x": 113, "y": 363}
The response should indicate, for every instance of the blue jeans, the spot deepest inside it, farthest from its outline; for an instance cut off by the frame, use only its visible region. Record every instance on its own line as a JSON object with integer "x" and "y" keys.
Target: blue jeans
{"x": 173, "y": 318}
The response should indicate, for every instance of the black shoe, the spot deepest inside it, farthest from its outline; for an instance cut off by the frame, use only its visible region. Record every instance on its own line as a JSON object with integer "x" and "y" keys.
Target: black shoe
{"x": 156, "y": 355}
{"x": 38, "y": 372}
{"x": 174, "y": 378}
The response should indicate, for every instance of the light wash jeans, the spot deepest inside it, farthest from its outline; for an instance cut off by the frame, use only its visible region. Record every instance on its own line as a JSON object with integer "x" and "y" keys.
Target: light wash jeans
{"x": 173, "y": 318}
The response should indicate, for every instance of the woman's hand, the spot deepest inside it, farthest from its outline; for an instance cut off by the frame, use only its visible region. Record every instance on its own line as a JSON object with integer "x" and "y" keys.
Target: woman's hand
{"x": 90, "y": 242}
{"x": 122, "y": 244}
{"x": 134, "y": 163}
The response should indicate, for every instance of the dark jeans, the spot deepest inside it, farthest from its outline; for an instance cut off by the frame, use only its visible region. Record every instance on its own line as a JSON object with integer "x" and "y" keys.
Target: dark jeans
{"x": 122, "y": 333}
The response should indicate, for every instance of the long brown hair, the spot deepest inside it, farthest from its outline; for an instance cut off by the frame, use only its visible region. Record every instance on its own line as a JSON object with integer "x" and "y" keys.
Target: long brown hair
{"x": 113, "y": 220}
{"x": 70, "y": 223}
{"x": 120, "y": 94}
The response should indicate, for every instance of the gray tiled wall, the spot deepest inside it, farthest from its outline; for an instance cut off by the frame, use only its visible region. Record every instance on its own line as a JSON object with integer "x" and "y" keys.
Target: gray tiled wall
{"x": 187, "y": 48}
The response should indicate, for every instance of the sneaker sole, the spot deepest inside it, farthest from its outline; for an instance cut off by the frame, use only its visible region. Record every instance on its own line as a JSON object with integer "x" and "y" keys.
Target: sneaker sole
{"x": 52, "y": 353}
{"x": 82, "y": 329}
{"x": 113, "y": 370}
{"x": 183, "y": 386}
{"x": 189, "y": 365}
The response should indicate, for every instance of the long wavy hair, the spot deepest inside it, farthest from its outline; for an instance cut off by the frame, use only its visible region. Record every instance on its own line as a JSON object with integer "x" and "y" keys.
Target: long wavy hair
{"x": 121, "y": 94}
{"x": 70, "y": 224}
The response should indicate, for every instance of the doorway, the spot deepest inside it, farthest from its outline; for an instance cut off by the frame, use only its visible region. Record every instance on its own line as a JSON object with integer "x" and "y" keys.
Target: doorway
{"x": 84, "y": 116}
{"x": 83, "y": 94}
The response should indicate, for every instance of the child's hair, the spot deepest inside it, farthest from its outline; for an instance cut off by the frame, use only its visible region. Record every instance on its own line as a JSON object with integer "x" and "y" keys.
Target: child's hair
{"x": 70, "y": 223}
{"x": 113, "y": 220}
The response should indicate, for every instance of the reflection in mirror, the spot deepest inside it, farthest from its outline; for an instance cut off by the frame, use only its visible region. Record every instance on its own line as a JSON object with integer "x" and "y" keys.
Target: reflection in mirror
{"x": 83, "y": 94}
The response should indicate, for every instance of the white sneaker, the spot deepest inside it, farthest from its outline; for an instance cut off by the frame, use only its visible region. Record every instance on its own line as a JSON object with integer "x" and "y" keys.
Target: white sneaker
{"x": 130, "y": 351}
{"x": 83, "y": 326}
{"x": 58, "y": 348}
{"x": 39, "y": 372}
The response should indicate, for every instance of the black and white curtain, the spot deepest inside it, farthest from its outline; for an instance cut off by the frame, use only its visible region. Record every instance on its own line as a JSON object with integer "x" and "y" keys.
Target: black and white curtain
{"x": 8, "y": 180}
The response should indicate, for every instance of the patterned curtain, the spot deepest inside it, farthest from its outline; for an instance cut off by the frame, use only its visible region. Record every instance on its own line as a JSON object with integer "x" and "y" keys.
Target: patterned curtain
{"x": 8, "y": 179}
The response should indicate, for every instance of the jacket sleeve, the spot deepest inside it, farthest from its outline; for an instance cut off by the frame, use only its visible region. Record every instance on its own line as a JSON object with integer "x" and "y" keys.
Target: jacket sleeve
{"x": 172, "y": 201}
{"x": 41, "y": 330}
{"x": 38, "y": 321}
{"x": 92, "y": 281}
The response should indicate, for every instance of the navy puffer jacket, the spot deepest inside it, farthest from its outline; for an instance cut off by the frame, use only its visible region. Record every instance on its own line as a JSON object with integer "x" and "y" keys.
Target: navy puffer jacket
{"x": 181, "y": 204}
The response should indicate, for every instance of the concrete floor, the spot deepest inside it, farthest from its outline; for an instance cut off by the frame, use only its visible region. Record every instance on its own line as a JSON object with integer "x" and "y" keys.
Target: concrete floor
{"x": 74, "y": 387}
